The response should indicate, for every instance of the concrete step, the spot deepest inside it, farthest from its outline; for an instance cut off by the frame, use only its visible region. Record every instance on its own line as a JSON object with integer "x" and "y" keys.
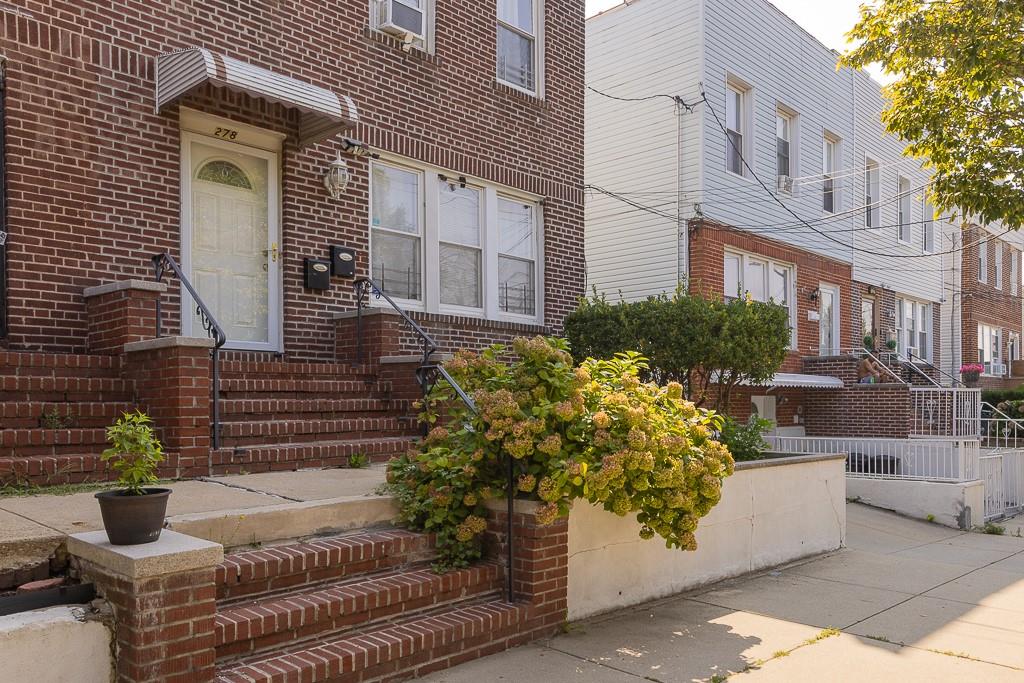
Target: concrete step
{"x": 250, "y": 387}
{"x": 39, "y": 414}
{"x": 301, "y": 431}
{"x": 48, "y": 388}
{"x": 237, "y": 410}
{"x": 411, "y": 647}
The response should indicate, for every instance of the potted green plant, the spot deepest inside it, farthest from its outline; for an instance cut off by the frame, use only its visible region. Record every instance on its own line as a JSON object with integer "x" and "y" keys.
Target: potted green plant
{"x": 869, "y": 342}
{"x": 970, "y": 373}
{"x": 891, "y": 344}
{"x": 133, "y": 514}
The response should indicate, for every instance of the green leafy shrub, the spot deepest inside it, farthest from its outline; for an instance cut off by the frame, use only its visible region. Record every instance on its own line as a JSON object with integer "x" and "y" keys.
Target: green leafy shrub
{"x": 745, "y": 440}
{"x": 358, "y": 461}
{"x": 706, "y": 344}
{"x": 594, "y": 432}
{"x": 135, "y": 452}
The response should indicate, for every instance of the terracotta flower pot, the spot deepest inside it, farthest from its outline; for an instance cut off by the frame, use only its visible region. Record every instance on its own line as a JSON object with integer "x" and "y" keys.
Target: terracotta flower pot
{"x": 133, "y": 520}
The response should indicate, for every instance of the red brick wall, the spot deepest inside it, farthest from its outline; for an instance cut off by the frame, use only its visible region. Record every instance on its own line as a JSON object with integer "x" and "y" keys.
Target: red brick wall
{"x": 707, "y": 252}
{"x": 983, "y": 303}
{"x": 860, "y": 410}
{"x": 93, "y": 171}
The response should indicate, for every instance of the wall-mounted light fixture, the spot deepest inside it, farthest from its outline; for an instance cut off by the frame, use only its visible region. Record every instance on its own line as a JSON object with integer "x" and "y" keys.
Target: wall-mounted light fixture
{"x": 813, "y": 296}
{"x": 336, "y": 177}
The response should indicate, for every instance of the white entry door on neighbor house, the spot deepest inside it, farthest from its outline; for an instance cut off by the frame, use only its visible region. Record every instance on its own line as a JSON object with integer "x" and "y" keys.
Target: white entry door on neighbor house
{"x": 828, "y": 320}
{"x": 231, "y": 241}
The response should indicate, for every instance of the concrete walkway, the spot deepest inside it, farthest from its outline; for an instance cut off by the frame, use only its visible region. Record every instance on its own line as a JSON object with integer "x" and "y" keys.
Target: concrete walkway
{"x": 906, "y": 601}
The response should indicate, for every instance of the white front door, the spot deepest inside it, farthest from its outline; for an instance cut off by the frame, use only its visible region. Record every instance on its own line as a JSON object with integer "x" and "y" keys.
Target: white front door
{"x": 231, "y": 241}
{"x": 828, "y": 320}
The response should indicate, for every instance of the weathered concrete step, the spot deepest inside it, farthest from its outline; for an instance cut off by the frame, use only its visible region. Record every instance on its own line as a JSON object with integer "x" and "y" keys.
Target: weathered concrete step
{"x": 250, "y": 628}
{"x": 64, "y": 389}
{"x": 267, "y": 571}
{"x": 309, "y": 408}
{"x": 264, "y": 431}
{"x": 36, "y": 414}
{"x": 35, "y": 442}
{"x": 413, "y": 647}
{"x": 319, "y": 453}
{"x": 302, "y": 388}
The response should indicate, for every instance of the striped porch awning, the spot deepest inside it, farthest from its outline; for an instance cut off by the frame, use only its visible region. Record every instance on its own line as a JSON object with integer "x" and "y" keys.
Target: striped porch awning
{"x": 794, "y": 379}
{"x": 323, "y": 113}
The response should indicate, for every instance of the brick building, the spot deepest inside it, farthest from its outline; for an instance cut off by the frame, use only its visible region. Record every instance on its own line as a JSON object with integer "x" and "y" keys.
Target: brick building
{"x": 443, "y": 153}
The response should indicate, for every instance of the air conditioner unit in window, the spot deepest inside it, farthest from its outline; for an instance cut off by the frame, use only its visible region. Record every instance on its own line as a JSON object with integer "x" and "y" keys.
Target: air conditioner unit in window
{"x": 402, "y": 18}
{"x": 785, "y": 183}
{"x": 998, "y": 368}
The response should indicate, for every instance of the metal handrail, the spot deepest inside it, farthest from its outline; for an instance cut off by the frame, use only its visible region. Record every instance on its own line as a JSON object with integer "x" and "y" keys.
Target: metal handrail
{"x": 1002, "y": 417}
{"x": 161, "y": 262}
{"x": 427, "y": 375}
{"x": 913, "y": 367}
{"x": 953, "y": 380}
{"x": 870, "y": 354}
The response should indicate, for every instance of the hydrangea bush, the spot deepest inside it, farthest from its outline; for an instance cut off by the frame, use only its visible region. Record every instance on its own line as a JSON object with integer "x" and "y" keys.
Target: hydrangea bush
{"x": 594, "y": 432}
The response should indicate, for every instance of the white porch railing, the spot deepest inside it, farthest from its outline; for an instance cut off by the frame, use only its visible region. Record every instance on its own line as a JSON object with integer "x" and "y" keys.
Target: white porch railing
{"x": 945, "y": 412}
{"x": 951, "y": 460}
{"x": 1003, "y": 474}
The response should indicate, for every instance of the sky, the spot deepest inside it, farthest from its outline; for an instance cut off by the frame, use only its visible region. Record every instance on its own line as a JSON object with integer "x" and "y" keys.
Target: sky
{"x": 829, "y": 27}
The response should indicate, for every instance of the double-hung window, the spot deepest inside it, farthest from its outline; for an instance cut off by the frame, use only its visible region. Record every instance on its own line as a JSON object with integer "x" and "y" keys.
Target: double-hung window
{"x": 999, "y": 266}
{"x": 913, "y": 328}
{"x": 762, "y": 280}
{"x": 1014, "y": 272}
{"x": 982, "y": 260}
{"x": 903, "y": 209}
{"x": 519, "y": 43}
{"x": 990, "y": 348}
{"x": 783, "y": 139}
{"x": 927, "y": 228}
{"x": 829, "y": 161}
{"x": 443, "y": 244}
{"x": 872, "y": 195}
{"x": 734, "y": 115}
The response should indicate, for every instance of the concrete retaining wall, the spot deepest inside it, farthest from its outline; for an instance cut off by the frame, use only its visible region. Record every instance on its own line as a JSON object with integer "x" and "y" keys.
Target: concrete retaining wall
{"x": 958, "y": 505}
{"x": 772, "y": 511}
{"x": 54, "y": 644}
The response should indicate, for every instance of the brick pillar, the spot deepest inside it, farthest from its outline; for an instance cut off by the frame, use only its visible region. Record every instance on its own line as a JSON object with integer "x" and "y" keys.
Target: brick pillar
{"x": 173, "y": 384}
{"x": 540, "y": 563}
{"x": 120, "y": 313}
{"x": 382, "y": 334}
{"x": 163, "y": 598}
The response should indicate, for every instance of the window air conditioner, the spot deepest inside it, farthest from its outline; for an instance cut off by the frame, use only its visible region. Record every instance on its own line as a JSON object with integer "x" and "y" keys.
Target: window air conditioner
{"x": 785, "y": 183}
{"x": 402, "y": 18}
{"x": 998, "y": 368}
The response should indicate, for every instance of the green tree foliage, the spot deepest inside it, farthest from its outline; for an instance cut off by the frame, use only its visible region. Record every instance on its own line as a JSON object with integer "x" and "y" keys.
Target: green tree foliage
{"x": 595, "y": 432}
{"x": 707, "y": 345}
{"x": 959, "y": 95}
{"x": 135, "y": 452}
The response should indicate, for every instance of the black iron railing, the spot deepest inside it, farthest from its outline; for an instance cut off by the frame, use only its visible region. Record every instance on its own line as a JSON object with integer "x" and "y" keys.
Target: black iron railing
{"x": 428, "y": 374}
{"x": 161, "y": 264}
{"x": 914, "y": 358}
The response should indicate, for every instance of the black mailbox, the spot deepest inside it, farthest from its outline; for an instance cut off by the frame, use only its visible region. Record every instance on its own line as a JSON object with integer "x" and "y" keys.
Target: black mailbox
{"x": 343, "y": 261}
{"x": 318, "y": 273}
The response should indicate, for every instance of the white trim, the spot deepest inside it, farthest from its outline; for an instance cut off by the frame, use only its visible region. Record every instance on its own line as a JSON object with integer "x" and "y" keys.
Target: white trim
{"x": 194, "y": 121}
{"x": 835, "y": 323}
{"x": 275, "y": 286}
{"x": 770, "y": 263}
{"x": 998, "y": 269}
{"x": 538, "y": 50}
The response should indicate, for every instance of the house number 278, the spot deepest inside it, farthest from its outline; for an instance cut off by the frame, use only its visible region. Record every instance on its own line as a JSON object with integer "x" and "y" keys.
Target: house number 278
{"x": 225, "y": 133}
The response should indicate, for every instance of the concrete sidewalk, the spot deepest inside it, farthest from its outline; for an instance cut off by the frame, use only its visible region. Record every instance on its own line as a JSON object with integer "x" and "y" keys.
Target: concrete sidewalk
{"x": 906, "y": 601}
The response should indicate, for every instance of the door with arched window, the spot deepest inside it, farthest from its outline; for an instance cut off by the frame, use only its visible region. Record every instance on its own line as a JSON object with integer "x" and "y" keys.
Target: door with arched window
{"x": 230, "y": 239}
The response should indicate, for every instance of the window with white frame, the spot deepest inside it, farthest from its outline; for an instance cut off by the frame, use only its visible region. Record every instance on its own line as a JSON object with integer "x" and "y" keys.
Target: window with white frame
{"x": 829, "y": 162}
{"x": 1014, "y": 272}
{"x": 903, "y": 209}
{"x": 872, "y": 195}
{"x": 412, "y": 20}
{"x": 990, "y": 348}
{"x": 783, "y": 139}
{"x": 999, "y": 266}
{"x": 519, "y": 56}
{"x": 927, "y": 228}
{"x": 914, "y": 328}
{"x": 448, "y": 245}
{"x": 1012, "y": 346}
{"x": 763, "y": 280}
{"x": 982, "y": 261}
{"x": 735, "y": 113}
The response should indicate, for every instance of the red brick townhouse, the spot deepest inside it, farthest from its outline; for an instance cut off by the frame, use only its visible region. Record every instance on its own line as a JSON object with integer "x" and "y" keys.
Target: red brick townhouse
{"x": 277, "y": 152}
{"x": 991, "y": 309}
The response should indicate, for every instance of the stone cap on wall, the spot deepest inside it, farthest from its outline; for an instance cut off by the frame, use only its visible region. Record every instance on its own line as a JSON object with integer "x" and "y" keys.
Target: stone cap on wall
{"x": 120, "y": 285}
{"x": 169, "y": 342}
{"x": 172, "y": 553}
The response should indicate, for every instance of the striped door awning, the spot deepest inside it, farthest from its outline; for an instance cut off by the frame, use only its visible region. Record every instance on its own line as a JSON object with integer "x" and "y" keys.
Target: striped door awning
{"x": 323, "y": 113}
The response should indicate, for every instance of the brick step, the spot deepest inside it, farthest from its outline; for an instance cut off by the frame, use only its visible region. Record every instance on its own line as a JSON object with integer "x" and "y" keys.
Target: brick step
{"x": 272, "y": 570}
{"x": 240, "y": 369}
{"x": 16, "y": 443}
{"x": 22, "y": 415}
{"x": 302, "y": 388}
{"x": 27, "y": 364}
{"x": 237, "y": 434}
{"x": 248, "y": 629}
{"x": 413, "y": 647}
{"x": 75, "y": 468}
{"x": 64, "y": 389}
{"x": 321, "y": 453}
{"x": 309, "y": 408}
